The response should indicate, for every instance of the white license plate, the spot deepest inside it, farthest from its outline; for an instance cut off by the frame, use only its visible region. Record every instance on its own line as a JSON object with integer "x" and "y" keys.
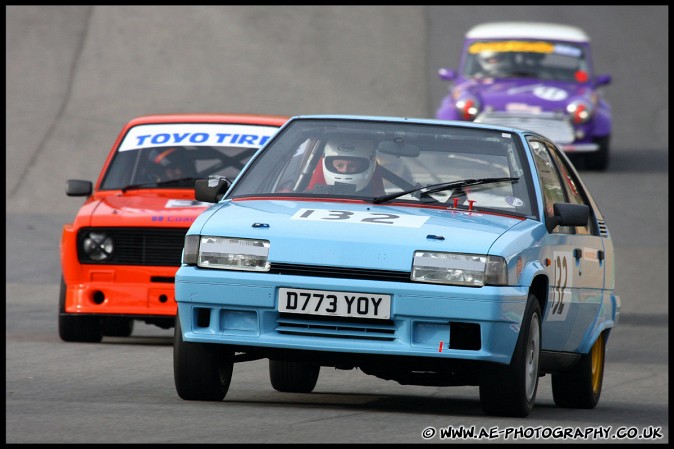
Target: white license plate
{"x": 331, "y": 303}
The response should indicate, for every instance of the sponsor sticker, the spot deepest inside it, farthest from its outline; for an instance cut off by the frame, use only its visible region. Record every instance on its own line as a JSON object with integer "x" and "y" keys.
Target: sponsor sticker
{"x": 514, "y": 201}
{"x": 590, "y": 254}
{"x": 196, "y": 134}
{"x": 550, "y": 93}
{"x": 185, "y": 203}
{"x": 518, "y": 46}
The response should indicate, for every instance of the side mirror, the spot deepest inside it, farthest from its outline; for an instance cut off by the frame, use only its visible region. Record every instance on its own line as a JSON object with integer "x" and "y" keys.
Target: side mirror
{"x": 78, "y": 187}
{"x": 447, "y": 74}
{"x": 211, "y": 190}
{"x": 602, "y": 80}
{"x": 568, "y": 214}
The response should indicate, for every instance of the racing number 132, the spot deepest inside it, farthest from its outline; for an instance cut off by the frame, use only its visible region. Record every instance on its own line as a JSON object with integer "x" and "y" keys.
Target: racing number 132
{"x": 347, "y": 215}
{"x": 361, "y": 217}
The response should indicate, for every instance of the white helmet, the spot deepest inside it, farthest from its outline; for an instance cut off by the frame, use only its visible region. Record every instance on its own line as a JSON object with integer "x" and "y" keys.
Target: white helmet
{"x": 495, "y": 62}
{"x": 358, "y": 154}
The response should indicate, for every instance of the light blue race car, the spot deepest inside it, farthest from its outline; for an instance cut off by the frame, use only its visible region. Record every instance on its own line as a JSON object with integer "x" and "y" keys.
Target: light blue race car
{"x": 423, "y": 251}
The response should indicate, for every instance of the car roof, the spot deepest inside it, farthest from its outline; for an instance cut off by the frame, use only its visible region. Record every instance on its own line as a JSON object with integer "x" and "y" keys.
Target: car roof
{"x": 527, "y": 30}
{"x": 419, "y": 120}
{"x": 211, "y": 117}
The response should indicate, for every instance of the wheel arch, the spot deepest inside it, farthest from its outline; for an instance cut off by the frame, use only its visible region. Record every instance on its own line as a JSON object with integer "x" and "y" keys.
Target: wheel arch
{"x": 602, "y": 123}
{"x": 592, "y": 336}
{"x": 535, "y": 276}
{"x": 539, "y": 288}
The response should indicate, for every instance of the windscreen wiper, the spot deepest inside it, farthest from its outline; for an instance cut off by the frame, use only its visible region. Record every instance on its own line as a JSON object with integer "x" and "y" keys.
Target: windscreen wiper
{"x": 431, "y": 188}
{"x": 158, "y": 184}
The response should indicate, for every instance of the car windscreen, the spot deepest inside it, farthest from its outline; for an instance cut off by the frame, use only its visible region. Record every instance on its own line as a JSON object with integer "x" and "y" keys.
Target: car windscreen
{"x": 174, "y": 155}
{"x": 546, "y": 60}
{"x": 301, "y": 161}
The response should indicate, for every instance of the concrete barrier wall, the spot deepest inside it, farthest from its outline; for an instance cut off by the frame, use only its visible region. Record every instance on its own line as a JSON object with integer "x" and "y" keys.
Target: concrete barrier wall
{"x": 76, "y": 74}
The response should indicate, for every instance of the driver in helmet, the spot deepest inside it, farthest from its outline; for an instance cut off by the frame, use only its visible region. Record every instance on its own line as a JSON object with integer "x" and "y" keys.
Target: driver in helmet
{"x": 170, "y": 163}
{"x": 495, "y": 63}
{"x": 349, "y": 163}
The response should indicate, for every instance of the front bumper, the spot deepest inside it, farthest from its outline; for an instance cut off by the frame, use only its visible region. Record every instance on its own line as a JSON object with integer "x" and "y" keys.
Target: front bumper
{"x": 556, "y": 127}
{"x": 122, "y": 290}
{"x": 240, "y": 309}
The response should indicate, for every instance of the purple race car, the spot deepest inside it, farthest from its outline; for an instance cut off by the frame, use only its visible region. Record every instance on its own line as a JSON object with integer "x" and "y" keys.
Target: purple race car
{"x": 535, "y": 76}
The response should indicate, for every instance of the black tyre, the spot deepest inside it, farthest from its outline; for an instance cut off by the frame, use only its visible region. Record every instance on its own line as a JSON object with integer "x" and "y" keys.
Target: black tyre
{"x": 74, "y": 328}
{"x": 117, "y": 327}
{"x": 293, "y": 377}
{"x": 600, "y": 158}
{"x": 201, "y": 371}
{"x": 510, "y": 390}
{"x": 581, "y": 386}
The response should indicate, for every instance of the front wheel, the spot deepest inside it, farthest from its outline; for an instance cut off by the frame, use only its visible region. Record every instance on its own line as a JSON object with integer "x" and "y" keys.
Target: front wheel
{"x": 293, "y": 377}
{"x": 510, "y": 390}
{"x": 581, "y": 386}
{"x": 599, "y": 159}
{"x": 117, "y": 326}
{"x": 201, "y": 371}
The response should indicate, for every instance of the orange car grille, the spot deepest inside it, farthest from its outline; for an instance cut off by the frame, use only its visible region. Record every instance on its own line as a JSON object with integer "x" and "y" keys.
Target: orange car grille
{"x": 137, "y": 246}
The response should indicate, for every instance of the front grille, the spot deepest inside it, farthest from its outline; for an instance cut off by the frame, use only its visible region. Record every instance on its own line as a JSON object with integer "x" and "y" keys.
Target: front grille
{"x": 553, "y": 126}
{"x": 138, "y": 246}
{"x": 340, "y": 272}
{"x": 336, "y": 327}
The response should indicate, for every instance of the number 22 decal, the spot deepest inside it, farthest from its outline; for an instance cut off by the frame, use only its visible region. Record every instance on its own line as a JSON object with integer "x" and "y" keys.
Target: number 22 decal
{"x": 562, "y": 279}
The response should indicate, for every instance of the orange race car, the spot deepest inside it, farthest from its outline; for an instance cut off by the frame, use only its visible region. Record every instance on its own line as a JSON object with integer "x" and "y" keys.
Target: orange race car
{"x": 120, "y": 254}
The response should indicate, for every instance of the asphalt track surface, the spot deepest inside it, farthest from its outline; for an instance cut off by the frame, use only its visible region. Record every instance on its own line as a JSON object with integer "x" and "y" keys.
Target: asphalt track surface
{"x": 76, "y": 74}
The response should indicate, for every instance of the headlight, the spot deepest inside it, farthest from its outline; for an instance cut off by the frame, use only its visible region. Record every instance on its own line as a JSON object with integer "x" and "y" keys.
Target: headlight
{"x": 468, "y": 107}
{"x": 227, "y": 253}
{"x": 580, "y": 111}
{"x": 473, "y": 270}
{"x": 97, "y": 246}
